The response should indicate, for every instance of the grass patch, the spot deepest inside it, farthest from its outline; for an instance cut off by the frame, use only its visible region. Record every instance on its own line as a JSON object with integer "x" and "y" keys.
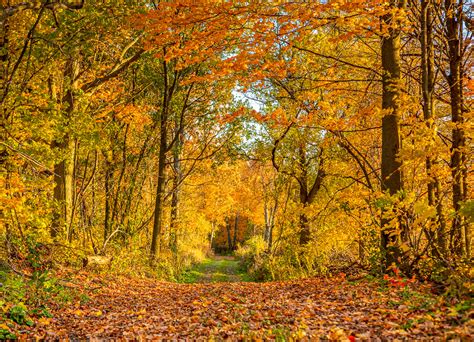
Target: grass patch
{"x": 215, "y": 270}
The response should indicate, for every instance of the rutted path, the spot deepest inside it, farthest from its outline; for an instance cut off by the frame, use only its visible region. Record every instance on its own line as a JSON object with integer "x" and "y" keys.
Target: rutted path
{"x": 215, "y": 269}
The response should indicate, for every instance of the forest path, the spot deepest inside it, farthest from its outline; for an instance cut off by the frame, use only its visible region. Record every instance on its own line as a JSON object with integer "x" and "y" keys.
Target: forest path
{"x": 312, "y": 309}
{"x": 215, "y": 269}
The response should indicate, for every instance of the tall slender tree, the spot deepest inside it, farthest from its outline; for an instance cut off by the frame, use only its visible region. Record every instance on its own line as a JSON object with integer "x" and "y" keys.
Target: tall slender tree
{"x": 437, "y": 238}
{"x": 453, "y": 16}
{"x": 391, "y": 139}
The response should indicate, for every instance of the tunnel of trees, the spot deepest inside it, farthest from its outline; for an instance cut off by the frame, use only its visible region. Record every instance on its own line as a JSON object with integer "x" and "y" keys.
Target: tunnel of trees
{"x": 310, "y": 133}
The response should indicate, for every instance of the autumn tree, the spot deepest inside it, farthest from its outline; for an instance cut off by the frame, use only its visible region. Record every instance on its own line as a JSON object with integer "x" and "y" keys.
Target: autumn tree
{"x": 428, "y": 89}
{"x": 454, "y": 16}
{"x": 391, "y": 140}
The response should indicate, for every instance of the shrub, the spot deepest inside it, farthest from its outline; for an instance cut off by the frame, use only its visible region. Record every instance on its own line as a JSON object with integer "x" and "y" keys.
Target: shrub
{"x": 254, "y": 258}
{"x": 26, "y": 296}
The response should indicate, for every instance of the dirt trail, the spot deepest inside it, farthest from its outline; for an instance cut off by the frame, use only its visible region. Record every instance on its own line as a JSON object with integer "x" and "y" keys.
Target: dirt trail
{"x": 216, "y": 269}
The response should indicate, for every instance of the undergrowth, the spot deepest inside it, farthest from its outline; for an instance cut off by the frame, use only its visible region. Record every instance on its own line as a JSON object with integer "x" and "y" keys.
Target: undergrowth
{"x": 27, "y": 293}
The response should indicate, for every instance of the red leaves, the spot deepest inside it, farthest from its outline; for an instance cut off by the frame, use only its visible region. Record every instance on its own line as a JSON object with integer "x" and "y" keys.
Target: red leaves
{"x": 397, "y": 280}
{"x": 232, "y": 116}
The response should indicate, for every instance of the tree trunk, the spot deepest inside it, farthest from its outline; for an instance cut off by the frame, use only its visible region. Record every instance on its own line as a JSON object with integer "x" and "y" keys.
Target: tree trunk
{"x": 307, "y": 195}
{"x": 109, "y": 179}
{"x": 125, "y": 219}
{"x": 64, "y": 169}
{"x": 391, "y": 139}
{"x": 229, "y": 238}
{"x": 236, "y": 230}
{"x": 160, "y": 188}
{"x": 119, "y": 191}
{"x": 267, "y": 223}
{"x": 175, "y": 196}
{"x": 453, "y": 13}
{"x": 305, "y": 233}
{"x": 269, "y": 215}
{"x": 437, "y": 238}
{"x": 270, "y": 235}
{"x": 211, "y": 238}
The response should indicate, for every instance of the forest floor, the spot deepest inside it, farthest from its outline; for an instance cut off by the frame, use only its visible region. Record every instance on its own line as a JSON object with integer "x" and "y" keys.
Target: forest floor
{"x": 318, "y": 308}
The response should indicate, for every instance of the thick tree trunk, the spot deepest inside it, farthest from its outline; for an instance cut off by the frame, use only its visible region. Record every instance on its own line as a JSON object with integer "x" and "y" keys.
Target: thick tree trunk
{"x": 307, "y": 195}
{"x": 305, "y": 233}
{"x": 63, "y": 188}
{"x": 453, "y": 13}
{"x": 391, "y": 139}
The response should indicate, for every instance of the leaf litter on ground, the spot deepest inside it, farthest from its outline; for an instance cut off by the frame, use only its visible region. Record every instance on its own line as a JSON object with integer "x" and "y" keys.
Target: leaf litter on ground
{"x": 316, "y": 308}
